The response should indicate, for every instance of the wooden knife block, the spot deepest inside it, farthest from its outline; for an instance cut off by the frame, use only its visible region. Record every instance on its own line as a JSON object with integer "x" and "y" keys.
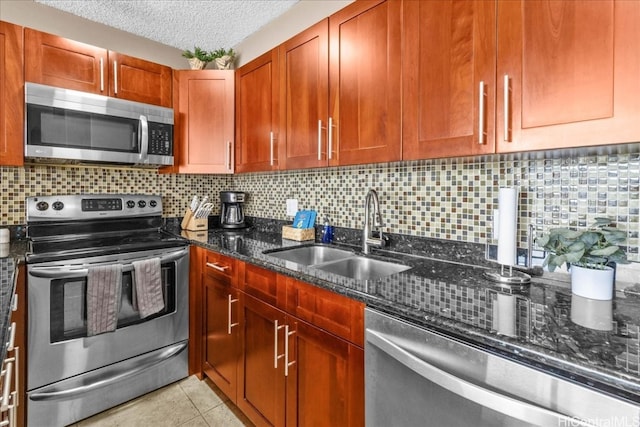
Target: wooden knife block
{"x": 189, "y": 222}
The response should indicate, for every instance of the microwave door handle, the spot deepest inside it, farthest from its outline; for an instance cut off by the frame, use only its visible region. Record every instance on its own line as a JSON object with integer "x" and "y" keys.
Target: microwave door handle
{"x": 143, "y": 139}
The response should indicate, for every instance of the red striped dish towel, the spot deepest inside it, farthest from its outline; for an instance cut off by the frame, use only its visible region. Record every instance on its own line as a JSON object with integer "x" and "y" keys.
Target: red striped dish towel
{"x": 148, "y": 287}
{"x": 104, "y": 285}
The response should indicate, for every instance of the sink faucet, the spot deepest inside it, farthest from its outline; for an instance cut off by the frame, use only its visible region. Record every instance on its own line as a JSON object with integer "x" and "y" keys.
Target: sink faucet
{"x": 367, "y": 236}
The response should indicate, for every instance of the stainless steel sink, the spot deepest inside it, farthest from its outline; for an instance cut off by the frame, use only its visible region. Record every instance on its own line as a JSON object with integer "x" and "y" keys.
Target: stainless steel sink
{"x": 311, "y": 255}
{"x": 362, "y": 268}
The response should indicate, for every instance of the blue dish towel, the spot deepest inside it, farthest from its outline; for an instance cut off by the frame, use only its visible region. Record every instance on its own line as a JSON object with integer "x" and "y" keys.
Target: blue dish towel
{"x": 104, "y": 286}
{"x": 147, "y": 276}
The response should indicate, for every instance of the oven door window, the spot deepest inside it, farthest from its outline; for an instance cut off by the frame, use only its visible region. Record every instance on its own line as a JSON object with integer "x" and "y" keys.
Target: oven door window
{"x": 69, "y": 304}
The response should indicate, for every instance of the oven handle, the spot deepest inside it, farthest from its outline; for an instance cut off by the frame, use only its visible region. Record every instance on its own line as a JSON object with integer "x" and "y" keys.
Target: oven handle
{"x": 116, "y": 375}
{"x": 73, "y": 273}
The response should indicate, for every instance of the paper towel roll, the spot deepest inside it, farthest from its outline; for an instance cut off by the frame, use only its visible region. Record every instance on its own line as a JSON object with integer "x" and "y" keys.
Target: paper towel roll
{"x": 507, "y": 225}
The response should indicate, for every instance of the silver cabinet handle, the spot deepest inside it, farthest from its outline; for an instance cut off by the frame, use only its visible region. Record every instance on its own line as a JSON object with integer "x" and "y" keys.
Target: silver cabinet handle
{"x": 143, "y": 138}
{"x": 330, "y": 138}
{"x": 276, "y": 356}
{"x": 481, "y": 97}
{"x": 115, "y": 77}
{"x": 218, "y": 267}
{"x": 231, "y": 325}
{"x": 12, "y": 336}
{"x": 287, "y": 334}
{"x": 320, "y": 139}
{"x": 101, "y": 75}
{"x": 98, "y": 380}
{"x": 469, "y": 391}
{"x": 506, "y": 108}
{"x": 271, "y": 138}
{"x": 7, "y": 373}
{"x": 229, "y": 156}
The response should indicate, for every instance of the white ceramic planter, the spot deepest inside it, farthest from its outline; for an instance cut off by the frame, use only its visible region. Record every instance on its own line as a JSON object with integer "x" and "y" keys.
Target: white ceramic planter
{"x": 592, "y": 283}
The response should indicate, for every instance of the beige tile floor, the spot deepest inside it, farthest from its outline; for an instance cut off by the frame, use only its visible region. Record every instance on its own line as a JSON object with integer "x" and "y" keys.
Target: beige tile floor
{"x": 186, "y": 403}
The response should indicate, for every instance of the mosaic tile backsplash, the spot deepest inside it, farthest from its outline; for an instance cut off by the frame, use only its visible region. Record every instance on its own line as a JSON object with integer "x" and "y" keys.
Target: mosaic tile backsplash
{"x": 450, "y": 199}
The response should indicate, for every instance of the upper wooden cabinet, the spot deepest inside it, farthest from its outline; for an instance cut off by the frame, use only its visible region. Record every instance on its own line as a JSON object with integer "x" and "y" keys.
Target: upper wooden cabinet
{"x": 449, "y": 83}
{"x": 61, "y": 62}
{"x": 258, "y": 146}
{"x": 365, "y": 83}
{"x": 304, "y": 77}
{"x": 11, "y": 95}
{"x": 204, "y": 121}
{"x": 568, "y": 74}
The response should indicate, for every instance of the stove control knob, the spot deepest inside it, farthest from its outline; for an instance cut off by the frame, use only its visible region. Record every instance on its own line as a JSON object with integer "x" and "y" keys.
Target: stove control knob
{"x": 42, "y": 206}
{"x": 153, "y": 203}
{"x": 57, "y": 206}
{"x": 131, "y": 204}
{"x": 142, "y": 203}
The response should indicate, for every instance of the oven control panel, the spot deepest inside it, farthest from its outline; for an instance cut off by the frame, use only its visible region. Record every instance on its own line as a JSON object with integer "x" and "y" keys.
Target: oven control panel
{"x": 92, "y": 206}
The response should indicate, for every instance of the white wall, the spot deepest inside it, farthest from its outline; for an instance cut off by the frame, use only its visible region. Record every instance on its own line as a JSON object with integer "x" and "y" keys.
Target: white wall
{"x": 299, "y": 17}
{"x": 44, "y": 18}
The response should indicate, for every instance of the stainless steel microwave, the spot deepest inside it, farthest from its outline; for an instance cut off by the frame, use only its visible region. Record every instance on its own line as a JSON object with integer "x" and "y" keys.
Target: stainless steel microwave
{"x": 68, "y": 125}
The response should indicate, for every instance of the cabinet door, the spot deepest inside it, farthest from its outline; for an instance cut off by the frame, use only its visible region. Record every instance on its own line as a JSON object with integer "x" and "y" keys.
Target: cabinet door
{"x": 204, "y": 123}
{"x": 56, "y": 61}
{"x": 304, "y": 85}
{"x": 11, "y": 95}
{"x": 261, "y": 388}
{"x": 257, "y": 102}
{"x": 221, "y": 340}
{"x": 571, "y": 72}
{"x": 448, "y": 78}
{"x": 365, "y": 88}
{"x": 325, "y": 382}
{"x": 138, "y": 80}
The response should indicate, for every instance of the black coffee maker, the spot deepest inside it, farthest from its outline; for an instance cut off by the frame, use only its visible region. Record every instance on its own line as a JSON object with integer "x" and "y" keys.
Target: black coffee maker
{"x": 231, "y": 213}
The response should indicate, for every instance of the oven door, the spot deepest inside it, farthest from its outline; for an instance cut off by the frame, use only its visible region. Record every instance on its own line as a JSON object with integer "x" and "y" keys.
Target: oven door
{"x": 57, "y": 330}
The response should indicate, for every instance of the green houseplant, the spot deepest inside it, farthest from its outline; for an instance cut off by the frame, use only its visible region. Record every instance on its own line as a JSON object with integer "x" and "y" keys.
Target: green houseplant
{"x": 224, "y": 58}
{"x": 198, "y": 58}
{"x": 588, "y": 253}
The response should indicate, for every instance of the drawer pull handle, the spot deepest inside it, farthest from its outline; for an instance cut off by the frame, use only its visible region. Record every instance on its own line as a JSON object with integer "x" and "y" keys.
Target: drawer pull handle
{"x": 287, "y": 334}
{"x": 215, "y": 266}
{"x": 481, "y": 96}
{"x": 276, "y": 356}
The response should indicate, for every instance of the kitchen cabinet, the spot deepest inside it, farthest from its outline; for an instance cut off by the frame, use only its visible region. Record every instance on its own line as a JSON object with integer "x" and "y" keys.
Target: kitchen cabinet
{"x": 11, "y": 95}
{"x": 448, "y": 75}
{"x": 285, "y": 352}
{"x": 221, "y": 341}
{"x": 204, "y": 121}
{"x": 365, "y": 83}
{"x": 56, "y": 61}
{"x": 567, "y": 74}
{"x": 258, "y": 147}
{"x": 304, "y": 85}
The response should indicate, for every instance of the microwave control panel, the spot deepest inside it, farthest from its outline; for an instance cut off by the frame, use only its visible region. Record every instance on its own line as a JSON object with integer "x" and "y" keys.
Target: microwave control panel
{"x": 161, "y": 139}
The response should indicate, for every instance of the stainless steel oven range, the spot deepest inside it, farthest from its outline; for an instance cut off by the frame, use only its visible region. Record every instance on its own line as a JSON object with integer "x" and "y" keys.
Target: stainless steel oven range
{"x": 86, "y": 260}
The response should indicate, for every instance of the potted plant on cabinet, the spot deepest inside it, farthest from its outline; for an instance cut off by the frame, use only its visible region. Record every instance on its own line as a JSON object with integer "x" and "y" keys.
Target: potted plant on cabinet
{"x": 198, "y": 58}
{"x": 590, "y": 254}
{"x": 224, "y": 58}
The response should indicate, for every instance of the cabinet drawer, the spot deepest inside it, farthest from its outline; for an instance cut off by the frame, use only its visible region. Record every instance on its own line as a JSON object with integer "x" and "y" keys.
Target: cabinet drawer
{"x": 219, "y": 266}
{"x": 334, "y": 313}
{"x": 263, "y": 284}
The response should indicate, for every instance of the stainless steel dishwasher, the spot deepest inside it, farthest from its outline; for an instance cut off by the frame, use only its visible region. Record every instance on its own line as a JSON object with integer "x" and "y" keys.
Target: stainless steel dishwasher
{"x": 415, "y": 377}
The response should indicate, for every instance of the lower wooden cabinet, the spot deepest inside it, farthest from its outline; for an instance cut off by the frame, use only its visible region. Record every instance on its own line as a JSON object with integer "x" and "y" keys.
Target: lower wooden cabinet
{"x": 279, "y": 368}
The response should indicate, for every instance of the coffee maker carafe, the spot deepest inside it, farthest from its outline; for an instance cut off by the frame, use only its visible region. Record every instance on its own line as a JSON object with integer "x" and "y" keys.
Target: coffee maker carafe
{"x": 231, "y": 213}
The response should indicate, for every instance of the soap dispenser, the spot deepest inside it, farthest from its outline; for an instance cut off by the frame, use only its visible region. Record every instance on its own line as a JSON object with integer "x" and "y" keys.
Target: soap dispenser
{"x": 327, "y": 231}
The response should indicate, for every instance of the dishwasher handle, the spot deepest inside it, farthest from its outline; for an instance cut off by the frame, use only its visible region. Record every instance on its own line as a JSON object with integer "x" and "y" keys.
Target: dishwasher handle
{"x": 469, "y": 391}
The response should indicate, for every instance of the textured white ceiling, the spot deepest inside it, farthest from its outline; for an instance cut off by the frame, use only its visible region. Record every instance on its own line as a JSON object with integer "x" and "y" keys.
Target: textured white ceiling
{"x": 209, "y": 24}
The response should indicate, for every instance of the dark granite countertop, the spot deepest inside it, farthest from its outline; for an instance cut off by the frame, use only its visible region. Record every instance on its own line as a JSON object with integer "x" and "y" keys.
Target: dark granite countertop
{"x": 542, "y": 325}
